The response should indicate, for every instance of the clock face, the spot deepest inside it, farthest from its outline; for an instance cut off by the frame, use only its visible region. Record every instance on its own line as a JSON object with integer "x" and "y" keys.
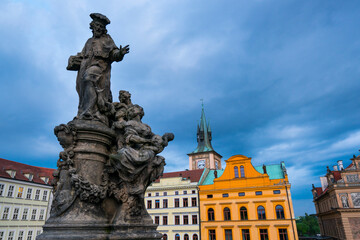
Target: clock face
{"x": 201, "y": 164}
{"x": 216, "y": 164}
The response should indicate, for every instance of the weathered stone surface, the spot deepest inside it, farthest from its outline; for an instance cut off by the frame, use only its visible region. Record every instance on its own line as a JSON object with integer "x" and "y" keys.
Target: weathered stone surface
{"x": 110, "y": 157}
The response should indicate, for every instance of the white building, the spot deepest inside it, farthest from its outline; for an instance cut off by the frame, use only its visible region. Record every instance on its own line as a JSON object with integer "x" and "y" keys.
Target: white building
{"x": 25, "y": 198}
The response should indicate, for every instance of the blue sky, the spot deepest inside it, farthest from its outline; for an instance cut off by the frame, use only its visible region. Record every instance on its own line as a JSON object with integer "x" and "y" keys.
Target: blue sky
{"x": 279, "y": 79}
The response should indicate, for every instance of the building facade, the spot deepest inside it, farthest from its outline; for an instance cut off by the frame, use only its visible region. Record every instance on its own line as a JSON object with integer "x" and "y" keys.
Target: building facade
{"x": 337, "y": 201}
{"x": 246, "y": 202}
{"x": 25, "y": 194}
{"x": 173, "y": 203}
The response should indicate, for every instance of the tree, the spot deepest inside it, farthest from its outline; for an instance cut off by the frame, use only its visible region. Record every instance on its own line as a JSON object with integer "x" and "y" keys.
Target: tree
{"x": 307, "y": 225}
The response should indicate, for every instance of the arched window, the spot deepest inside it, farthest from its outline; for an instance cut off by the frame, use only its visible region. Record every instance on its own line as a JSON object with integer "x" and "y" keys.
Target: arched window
{"x": 242, "y": 171}
{"x": 236, "y": 172}
{"x": 279, "y": 212}
{"x": 177, "y": 236}
{"x": 195, "y": 237}
{"x": 243, "y": 213}
{"x": 227, "y": 215}
{"x": 261, "y": 212}
{"x": 164, "y": 237}
{"x": 211, "y": 215}
{"x": 186, "y": 237}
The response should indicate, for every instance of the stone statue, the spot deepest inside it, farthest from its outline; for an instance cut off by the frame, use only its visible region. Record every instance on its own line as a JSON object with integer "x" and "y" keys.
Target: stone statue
{"x": 93, "y": 64}
{"x": 109, "y": 155}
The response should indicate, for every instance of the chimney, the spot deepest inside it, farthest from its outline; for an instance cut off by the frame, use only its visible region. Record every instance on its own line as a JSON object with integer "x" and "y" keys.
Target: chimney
{"x": 335, "y": 167}
{"x": 341, "y": 166}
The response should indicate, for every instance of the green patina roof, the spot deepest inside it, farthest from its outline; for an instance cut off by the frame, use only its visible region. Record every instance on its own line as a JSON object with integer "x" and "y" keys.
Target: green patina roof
{"x": 275, "y": 171}
{"x": 203, "y": 135}
{"x": 210, "y": 177}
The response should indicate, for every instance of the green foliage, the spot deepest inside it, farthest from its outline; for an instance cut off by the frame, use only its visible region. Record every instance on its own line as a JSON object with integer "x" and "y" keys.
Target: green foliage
{"x": 307, "y": 225}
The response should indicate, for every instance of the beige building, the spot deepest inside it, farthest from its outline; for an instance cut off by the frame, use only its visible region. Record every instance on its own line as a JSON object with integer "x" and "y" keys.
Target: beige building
{"x": 173, "y": 203}
{"x": 25, "y": 194}
{"x": 337, "y": 201}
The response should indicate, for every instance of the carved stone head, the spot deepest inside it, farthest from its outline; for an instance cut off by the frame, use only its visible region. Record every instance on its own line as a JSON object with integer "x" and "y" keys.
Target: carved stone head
{"x": 65, "y": 135}
{"x": 125, "y": 97}
{"x": 98, "y": 25}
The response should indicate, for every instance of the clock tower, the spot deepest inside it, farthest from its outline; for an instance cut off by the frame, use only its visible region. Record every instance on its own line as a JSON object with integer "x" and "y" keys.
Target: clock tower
{"x": 204, "y": 156}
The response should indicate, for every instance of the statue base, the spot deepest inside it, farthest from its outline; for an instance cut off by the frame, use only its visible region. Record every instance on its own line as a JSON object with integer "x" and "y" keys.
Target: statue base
{"x": 99, "y": 232}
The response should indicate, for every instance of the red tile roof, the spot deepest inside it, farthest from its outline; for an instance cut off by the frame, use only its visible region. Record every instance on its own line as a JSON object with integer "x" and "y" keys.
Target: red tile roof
{"x": 193, "y": 175}
{"x": 337, "y": 175}
{"x": 22, "y": 169}
{"x": 318, "y": 191}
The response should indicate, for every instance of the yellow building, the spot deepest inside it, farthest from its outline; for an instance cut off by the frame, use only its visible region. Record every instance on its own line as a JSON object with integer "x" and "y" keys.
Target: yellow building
{"x": 25, "y": 196}
{"x": 246, "y": 202}
{"x": 172, "y": 202}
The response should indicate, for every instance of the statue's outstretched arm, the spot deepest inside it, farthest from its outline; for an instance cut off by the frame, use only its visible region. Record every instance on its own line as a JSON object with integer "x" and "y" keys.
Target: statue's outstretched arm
{"x": 118, "y": 54}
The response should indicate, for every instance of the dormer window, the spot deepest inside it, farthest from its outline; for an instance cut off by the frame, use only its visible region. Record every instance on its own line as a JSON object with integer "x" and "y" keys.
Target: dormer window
{"x": 45, "y": 179}
{"x": 12, "y": 173}
{"x": 29, "y": 176}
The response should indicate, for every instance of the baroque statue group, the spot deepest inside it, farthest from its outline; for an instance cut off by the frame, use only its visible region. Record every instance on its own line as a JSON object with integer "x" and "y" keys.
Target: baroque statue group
{"x": 109, "y": 155}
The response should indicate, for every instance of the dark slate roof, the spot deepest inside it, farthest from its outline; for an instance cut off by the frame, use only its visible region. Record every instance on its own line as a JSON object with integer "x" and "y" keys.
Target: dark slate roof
{"x": 22, "y": 169}
{"x": 193, "y": 175}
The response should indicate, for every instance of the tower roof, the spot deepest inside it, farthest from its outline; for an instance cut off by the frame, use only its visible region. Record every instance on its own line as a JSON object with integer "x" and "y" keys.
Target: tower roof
{"x": 203, "y": 135}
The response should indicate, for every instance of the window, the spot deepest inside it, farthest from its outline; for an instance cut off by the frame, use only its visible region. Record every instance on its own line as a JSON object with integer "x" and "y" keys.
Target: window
{"x": 211, "y": 215}
{"x": 242, "y": 171}
{"x": 45, "y": 195}
{"x": 29, "y": 236}
{"x": 228, "y": 234}
{"x": 165, "y": 193}
{"x": 193, "y": 202}
{"x": 16, "y": 214}
{"x": 241, "y": 194}
{"x": 185, "y": 202}
{"x": 177, "y": 236}
{"x": 185, "y": 192}
{"x": 258, "y": 193}
{"x": 157, "y": 203}
{"x": 11, "y": 235}
{"x": 38, "y": 232}
{"x": 164, "y": 237}
{"x": 25, "y": 213}
{"x": 157, "y": 194}
{"x": 225, "y": 195}
{"x": 21, "y": 235}
{"x": 243, "y": 213}
{"x": 149, "y": 194}
{"x": 261, "y": 212}
{"x": 29, "y": 192}
{"x": 195, "y": 237}
{"x": 210, "y": 196}
{"x": 176, "y": 193}
{"x": 276, "y": 191}
{"x": 176, "y": 202}
{"x": 10, "y": 191}
{"x": 185, "y": 219}
{"x": 193, "y": 192}
{"x": 212, "y": 234}
{"x": 2, "y": 186}
{"x": 1, "y": 235}
{"x": 236, "y": 172}
{"x": 245, "y": 234}
{"x": 283, "y": 234}
{"x": 20, "y": 192}
{"x": 149, "y": 204}
{"x": 279, "y": 212}
{"x": 6, "y": 213}
{"x": 41, "y": 216}
{"x": 177, "y": 220}
{"x": 186, "y": 237}
{"x": 194, "y": 219}
{"x": 227, "y": 216}
{"x": 33, "y": 214}
{"x": 165, "y": 203}
{"x": 157, "y": 220}
{"x": 264, "y": 234}
{"x": 165, "y": 220}
{"x": 37, "y": 194}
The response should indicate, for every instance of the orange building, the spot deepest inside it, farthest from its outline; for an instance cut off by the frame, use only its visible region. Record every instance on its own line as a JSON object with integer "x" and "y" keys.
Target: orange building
{"x": 246, "y": 202}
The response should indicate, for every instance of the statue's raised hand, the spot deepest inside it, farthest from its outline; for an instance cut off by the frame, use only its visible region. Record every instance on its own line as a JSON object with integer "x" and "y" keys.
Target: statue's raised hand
{"x": 124, "y": 50}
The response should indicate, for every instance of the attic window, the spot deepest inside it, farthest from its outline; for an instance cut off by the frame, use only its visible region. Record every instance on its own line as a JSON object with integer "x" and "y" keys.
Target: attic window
{"x": 31, "y": 176}
{"x": 12, "y": 173}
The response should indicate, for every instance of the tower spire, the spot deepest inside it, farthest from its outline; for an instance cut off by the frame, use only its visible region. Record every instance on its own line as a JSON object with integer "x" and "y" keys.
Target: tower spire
{"x": 203, "y": 133}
